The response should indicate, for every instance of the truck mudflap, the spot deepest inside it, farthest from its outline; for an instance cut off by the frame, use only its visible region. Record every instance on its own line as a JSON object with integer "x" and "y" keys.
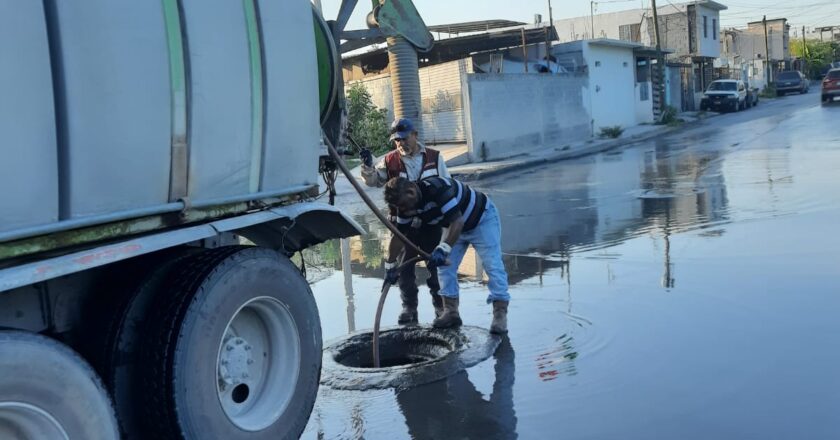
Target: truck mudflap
{"x": 287, "y": 229}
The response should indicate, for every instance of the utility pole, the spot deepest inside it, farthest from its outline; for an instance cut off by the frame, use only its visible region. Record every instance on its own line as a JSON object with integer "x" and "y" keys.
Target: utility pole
{"x": 660, "y": 61}
{"x": 592, "y": 20}
{"x": 804, "y": 50}
{"x": 524, "y": 51}
{"x": 766, "y": 52}
{"x": 549, "y": 39}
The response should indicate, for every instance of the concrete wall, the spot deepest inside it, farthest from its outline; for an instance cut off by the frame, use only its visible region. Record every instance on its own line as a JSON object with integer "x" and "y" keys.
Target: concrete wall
{"x": 673, "y": 28}
{"x": 511, "y": 114}
{"x": 440, "y": 92}
{"x": 606, "y": 26}
{"x": 708, "y": 44}
{"x": 612, "y": 81}
{"x": 379, "y": 88}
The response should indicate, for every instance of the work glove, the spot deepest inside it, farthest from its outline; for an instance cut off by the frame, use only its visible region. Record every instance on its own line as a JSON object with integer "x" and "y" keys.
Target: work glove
{"x": 367, "y": 157}
{"x": 392, "y": 274}
{"x": 439, "y": 255}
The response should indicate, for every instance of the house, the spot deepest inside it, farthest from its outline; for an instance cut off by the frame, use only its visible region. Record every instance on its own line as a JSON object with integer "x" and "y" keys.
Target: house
{"x": 778, "y": 38}
{"x": 619, "y": 86}
{"x": 689, "y": 31}
{"x": 749, "y": 44}
{"x": 747, "y": 51}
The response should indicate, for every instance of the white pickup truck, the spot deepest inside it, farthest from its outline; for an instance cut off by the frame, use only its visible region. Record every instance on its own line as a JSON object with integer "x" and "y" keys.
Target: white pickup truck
{"x": 726, "y": 94}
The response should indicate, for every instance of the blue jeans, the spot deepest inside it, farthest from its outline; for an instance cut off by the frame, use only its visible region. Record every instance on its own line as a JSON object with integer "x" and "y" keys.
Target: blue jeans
{"x": 486, "y": 238}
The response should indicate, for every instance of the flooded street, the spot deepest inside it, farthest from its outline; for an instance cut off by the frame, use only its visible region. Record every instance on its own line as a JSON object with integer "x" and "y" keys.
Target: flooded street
{"x": 684, "y": 288}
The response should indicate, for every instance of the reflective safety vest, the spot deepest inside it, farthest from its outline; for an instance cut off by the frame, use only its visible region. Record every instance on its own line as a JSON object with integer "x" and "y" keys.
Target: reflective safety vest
{"x": 395, "y": 167}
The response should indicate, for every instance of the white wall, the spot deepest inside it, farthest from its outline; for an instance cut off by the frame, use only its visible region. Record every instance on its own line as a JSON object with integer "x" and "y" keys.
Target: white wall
{"x": 708, "y": 45}
{"x": 612, "y": 86}
{"x": 511, "y": 114}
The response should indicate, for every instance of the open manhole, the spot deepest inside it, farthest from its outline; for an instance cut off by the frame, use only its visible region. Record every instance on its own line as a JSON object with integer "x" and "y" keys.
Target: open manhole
{"x": 409, "y": 356}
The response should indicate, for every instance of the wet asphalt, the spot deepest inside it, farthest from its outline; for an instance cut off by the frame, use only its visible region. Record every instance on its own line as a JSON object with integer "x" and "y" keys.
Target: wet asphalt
{"x": 684, "y": 287}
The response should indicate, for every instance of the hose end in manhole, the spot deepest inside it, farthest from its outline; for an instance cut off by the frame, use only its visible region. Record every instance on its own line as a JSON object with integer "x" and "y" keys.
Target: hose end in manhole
{"x": 409, "y": 356}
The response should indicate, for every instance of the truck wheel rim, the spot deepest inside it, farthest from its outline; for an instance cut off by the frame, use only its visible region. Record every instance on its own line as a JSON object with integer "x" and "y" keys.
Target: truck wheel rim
{"x": 258, "y": 364}
{"x": 19, "y": 419}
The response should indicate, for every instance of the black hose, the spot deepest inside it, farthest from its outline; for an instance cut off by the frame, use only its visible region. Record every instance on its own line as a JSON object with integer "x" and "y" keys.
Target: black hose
{"x": 343, "y": 167}
{"x": 386, "y": 286}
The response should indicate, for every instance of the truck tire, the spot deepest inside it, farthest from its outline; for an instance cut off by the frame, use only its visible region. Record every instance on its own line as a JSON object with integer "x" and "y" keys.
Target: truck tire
{"x": 47, "y": 391}
{"x": 233, "y": 349}
{"x": 120, "y": 357}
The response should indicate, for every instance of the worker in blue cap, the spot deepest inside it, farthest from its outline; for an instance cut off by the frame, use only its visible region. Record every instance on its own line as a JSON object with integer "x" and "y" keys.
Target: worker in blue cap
{"x": 414, "y": 161}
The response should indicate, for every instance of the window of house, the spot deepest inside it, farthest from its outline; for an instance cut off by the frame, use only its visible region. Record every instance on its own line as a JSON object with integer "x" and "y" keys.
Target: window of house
{"x": 705, "y": 26}
{"x": 714, "y": 29}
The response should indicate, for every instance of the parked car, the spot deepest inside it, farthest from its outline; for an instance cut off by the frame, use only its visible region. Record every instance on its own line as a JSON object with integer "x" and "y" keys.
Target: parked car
{"x": 831, "y": 86}
{"x": 791, "y": 81}
{"x": 725, "y": 94}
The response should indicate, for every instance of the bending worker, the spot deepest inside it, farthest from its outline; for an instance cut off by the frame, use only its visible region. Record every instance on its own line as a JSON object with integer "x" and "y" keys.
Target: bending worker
{"x": 468, "y": 217}
{"x": 413, "y": 161}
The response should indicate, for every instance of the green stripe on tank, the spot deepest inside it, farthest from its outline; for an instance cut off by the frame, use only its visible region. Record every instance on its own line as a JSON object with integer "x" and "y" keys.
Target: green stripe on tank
{"x": 178, "y": 98}
{"x": 255, "y": 51}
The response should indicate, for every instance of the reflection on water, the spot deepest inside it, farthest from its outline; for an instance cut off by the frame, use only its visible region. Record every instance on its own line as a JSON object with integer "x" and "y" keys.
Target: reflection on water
{"x": 455, "y": 409}
{"x": 582, "y": 205}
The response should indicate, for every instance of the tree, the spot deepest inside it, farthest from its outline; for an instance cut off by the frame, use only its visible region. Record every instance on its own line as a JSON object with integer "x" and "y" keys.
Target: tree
{"x": 368, "y": 123}
{"x": 818, "y": 54}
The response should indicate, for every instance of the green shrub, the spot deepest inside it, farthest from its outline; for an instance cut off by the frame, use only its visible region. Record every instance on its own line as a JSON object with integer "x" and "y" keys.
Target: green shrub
{"x": 769, "y": 92}
{"x": 369, "y": 125}
{"x": 611, "y": 132}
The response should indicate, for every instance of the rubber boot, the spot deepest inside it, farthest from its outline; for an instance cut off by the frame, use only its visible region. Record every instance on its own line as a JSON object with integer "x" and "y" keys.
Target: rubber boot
{"x": 450, "y": 317}
{"x": 499, "y": 324}
{"x": 437, "y": 302}
{"x": 408, "y": 316}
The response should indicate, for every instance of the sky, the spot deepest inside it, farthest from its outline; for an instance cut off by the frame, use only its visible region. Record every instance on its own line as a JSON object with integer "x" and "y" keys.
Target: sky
{"x": 799, "y": 13}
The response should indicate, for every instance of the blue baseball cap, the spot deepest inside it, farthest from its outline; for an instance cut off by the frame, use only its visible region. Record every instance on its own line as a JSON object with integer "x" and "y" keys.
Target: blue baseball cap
{"x": 401, "y": 129}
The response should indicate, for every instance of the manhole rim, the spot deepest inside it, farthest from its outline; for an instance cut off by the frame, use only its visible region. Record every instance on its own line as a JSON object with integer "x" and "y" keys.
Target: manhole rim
{"x": 331, "y": 350}
{"x": 476, "y": 345}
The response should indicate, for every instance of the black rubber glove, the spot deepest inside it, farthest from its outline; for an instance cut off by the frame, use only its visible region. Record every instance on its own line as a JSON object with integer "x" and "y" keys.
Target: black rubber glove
{"x": 366, "y": 156}
{"x": 392, "y": 274}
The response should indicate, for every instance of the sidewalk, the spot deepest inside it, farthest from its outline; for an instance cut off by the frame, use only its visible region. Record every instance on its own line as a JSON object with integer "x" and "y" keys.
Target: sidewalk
{"x": 639, "y": 133}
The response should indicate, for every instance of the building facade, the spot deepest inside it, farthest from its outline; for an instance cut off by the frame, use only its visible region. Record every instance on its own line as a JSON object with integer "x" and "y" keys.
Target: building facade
{"x": 688, "y": 31}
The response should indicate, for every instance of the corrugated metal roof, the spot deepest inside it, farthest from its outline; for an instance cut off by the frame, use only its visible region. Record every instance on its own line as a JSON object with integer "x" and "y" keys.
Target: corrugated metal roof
{"x": 474, "y": 26}
{"x": 460, "y": 47}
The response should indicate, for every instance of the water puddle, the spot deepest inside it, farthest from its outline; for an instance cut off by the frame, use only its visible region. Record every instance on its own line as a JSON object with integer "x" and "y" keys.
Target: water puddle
{"x": 681, "y": 288}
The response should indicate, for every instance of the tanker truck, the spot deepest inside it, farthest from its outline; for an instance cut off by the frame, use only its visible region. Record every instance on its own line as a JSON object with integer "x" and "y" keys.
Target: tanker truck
{"x": 159, "y": 166}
